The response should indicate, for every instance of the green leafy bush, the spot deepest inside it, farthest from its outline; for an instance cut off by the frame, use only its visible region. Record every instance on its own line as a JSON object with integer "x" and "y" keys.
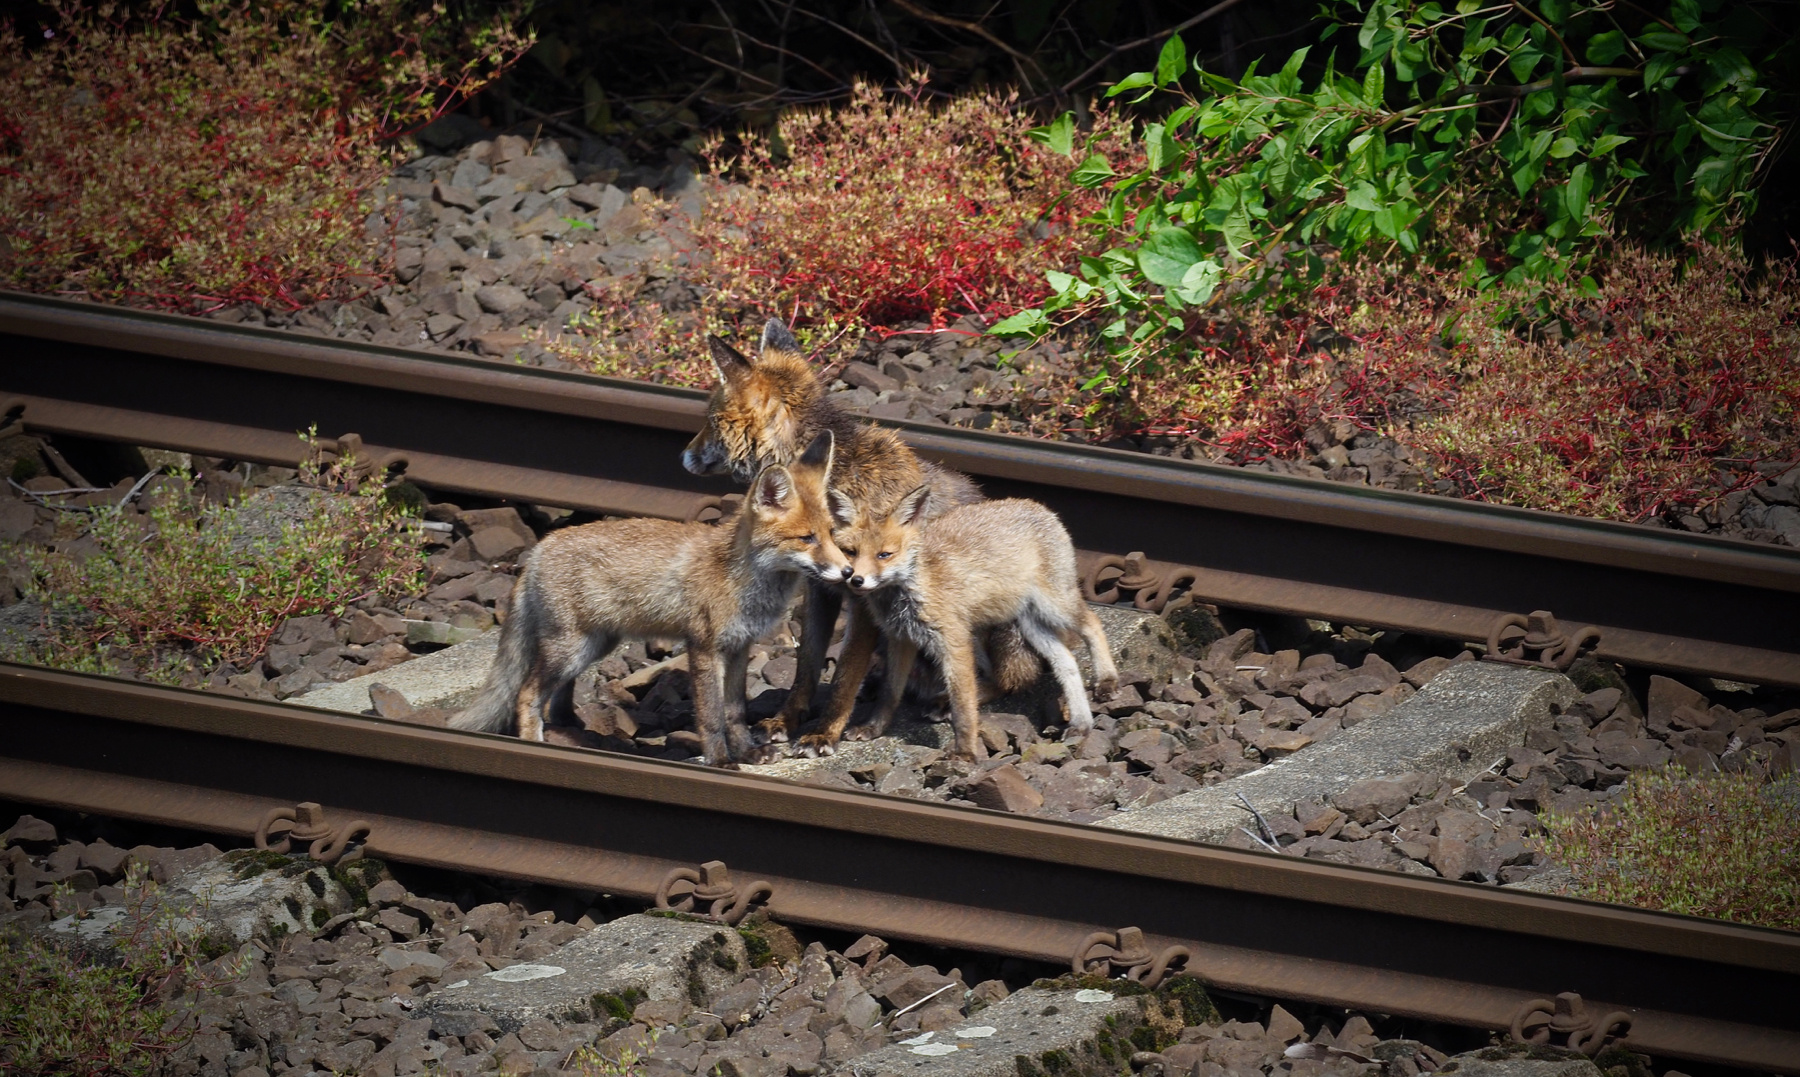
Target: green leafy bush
{"x": 1552, "y": 127}
{"x": 185, "y": 586}
{"x": 188, "y": 163}
{"x": 1724, "y": 846}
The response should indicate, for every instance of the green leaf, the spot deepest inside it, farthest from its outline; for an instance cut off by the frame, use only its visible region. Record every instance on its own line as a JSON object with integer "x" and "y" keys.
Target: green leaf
{"x": 1374, "y": 85}
{"x": 1392, "y": 219}
{"x": 1058, "y": 280}
{"x": 1608, "y": 143}
{"x": 1564, "y": 147}
{"x": 1166, "y": 258}
{"x": 1363, "y": 196}
{"x": 1523, "y": 63}
{"x": 1094, "y": 382}
{"x": 1024, "y": 323}
{"x": 1658, "y": 69}
{"x": 1663, "y": 40}
{"x": 1171, "y": 62}
{"x": 1685, "y": 14}
{"x": 1130, "y": 82}
{"x": 1525, "y": 177}
{"x": 1732, "y": 68}
{"x": 1607, "y": 47}
{"x": 1576, "y": 191}
{"x": 1059, "y": 136}
{"x": 1199, "y": 282}
{"x": 1093, "y": 172}
{"x": 1160, "y": 151}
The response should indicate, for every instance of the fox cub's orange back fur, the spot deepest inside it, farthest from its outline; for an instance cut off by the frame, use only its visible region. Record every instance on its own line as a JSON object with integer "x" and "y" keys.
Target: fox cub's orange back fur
{"x": 762, "y": 412}
{"x": 934, "y": 584}
{"x": 587, "y": 588}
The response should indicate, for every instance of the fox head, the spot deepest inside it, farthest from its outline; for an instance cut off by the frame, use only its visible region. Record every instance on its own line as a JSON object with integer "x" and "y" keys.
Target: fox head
{"x": 882, "y": 549}
{"x": 787, "y": 519}
{"x": 757, "y": 410}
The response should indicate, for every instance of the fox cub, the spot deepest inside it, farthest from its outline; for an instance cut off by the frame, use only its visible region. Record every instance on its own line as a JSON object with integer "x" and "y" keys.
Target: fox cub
{"x": 587, "y": 588}
{"x": 932, "y": 588}
{"x": 762, "y": 412}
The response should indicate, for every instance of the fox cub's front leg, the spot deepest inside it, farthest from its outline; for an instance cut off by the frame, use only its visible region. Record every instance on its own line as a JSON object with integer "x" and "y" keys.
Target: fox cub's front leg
{"x": 818, "y": 618}
{"x": 853, "y": 665}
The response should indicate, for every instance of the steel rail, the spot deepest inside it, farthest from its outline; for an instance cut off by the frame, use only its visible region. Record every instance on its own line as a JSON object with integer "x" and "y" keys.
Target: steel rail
{"x": 948, "y": 875}
{"x": 1440, "y": 566}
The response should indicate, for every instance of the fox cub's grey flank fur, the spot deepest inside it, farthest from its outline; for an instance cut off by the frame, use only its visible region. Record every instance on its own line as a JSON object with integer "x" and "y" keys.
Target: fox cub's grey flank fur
{"x": 934, "y": 584}
{"x": 587, "y": 588}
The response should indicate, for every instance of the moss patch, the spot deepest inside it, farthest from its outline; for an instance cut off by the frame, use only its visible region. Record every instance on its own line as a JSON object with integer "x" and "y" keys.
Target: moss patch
{"x": 357, "y": 876}
{"x": 616, "y": 1009}
{"x": 249, "y": 863}
{"x": 768, "y": 942}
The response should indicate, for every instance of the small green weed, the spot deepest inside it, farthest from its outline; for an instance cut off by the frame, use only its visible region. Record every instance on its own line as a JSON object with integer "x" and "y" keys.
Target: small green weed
{"x": 1723, "y": 846}
{"x": 61, "y": 1017}
{"x": 188, "y": 585}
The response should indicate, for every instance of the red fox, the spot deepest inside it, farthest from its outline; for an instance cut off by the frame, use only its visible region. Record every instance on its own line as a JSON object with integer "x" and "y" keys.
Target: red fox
{"x": 719, "y": 588}
{"x": 934, "y": 586}
{"x": 762, "y": 412}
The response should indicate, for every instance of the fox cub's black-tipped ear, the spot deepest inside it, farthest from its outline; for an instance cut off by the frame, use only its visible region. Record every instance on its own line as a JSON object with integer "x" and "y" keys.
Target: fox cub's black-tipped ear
{"x": 730, "y": 363}
{"x": 911, "y": 509}
{"x": 843, "y": 510}
{"x": 774, "y": 488}
{"x": 819, "y": 454}
{"x": 776, "y": 337}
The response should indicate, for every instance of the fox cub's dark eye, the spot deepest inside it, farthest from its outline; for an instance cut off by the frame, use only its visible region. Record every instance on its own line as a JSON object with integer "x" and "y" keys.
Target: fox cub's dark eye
{"x": 809, "y": 539}
{"x": 884, "y": 555}
{"x": 848, "y": 551}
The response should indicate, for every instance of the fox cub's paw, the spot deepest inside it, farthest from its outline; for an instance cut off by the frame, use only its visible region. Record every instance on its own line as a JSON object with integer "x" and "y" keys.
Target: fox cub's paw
{"x": 1105, "y": 688}
{"x": 866, "y": 731}
{"x": 816, "y": 745}
{"x": 766, "y": 753}
{"x": 772, "y": 730}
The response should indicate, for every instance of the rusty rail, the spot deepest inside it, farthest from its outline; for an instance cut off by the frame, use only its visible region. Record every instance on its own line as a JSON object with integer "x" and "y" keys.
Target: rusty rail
{"x": 1439, "y": 566}
{"x": 949, "y": 875}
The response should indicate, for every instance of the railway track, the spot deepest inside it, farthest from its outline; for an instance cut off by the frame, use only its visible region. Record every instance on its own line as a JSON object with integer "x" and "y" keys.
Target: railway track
{"x": 953, "y": 876}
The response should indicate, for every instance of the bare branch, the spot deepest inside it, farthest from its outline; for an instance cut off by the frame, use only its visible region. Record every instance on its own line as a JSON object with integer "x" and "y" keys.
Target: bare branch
{"x": 1217, "y": 9}
{"x": 980, "y": 31}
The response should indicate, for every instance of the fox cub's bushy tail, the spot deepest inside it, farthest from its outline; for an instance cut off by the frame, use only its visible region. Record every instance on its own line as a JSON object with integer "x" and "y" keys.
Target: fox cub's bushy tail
{"x": 495, "y": 709}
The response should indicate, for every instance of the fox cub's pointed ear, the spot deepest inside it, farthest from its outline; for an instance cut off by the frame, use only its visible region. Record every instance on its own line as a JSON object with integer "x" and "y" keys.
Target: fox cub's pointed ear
{"x": 911, "y": 509}
{"x": 730, "y": 363}
{"x": 774, "y": 489}
{"x": 843, "y": 510}
{"x": 819, "y": 454}
{"x": 777, "y": 338}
